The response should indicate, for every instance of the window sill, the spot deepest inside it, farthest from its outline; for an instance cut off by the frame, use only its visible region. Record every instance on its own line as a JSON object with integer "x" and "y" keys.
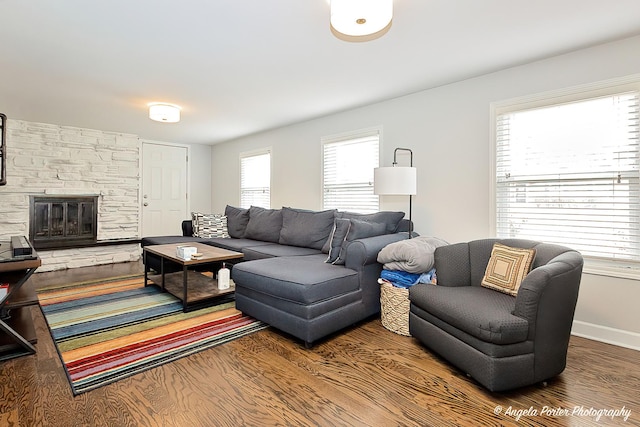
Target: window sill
{"x": 611, "y": 269}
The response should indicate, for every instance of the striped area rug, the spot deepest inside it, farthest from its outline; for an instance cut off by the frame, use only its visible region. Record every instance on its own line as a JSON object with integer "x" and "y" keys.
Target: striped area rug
{"x": 111, "y": 329}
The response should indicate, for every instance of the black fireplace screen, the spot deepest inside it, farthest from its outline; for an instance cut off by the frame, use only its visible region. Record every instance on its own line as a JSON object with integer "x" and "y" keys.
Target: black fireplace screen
{"x": 62, "y": 222}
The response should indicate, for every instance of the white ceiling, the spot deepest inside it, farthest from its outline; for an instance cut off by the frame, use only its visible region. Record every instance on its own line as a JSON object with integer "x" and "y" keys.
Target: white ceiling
{"x": 241, "y": 66}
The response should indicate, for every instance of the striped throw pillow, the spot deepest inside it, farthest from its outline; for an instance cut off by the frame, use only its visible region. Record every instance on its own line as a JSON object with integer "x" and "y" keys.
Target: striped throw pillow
{"x": 209, "y": 225}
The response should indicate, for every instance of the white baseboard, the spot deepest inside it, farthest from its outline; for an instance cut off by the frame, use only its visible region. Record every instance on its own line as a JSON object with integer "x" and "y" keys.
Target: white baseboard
{"x": 606, "y": 334}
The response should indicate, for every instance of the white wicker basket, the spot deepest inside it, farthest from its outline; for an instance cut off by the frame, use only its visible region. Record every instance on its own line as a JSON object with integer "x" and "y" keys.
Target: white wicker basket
{"x": 394, "y": 304}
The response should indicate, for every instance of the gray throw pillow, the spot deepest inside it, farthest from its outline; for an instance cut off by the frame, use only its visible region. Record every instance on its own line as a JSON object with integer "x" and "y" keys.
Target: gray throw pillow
{"x": 237, "y": 220}
{"x": 337, "y": 238}
{"x": 359, "y": 230}
{"x": 363, "y": 229}
{"x": 264, "y": 224}
{"x": 389, "y": 218}
{"x": 305, "y": 228}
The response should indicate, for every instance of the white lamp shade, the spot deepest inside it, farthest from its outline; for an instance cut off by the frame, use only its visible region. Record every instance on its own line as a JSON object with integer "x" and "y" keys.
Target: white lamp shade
{"x": 395, "y": 181}
{"x": 166, "y": 113}
{"x": 360, "y": 17}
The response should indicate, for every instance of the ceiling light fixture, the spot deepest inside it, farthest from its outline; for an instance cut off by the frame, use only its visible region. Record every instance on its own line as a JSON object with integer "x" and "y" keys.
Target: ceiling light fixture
{"x": 360, "y": 20}
{"x": 165, "y": 113}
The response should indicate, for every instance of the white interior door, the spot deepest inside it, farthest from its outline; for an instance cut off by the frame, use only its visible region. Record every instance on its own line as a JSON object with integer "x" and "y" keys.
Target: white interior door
{"x": 164, "y": 189}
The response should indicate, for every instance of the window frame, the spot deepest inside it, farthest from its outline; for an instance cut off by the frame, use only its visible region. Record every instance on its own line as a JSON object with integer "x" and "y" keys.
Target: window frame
{"x": 255, "y": 153}
{"x": 344, "y": 137}
{"x": 596, "y": 266}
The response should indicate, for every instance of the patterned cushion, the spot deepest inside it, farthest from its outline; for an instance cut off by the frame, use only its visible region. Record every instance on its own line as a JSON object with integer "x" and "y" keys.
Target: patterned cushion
{"x": 507, "y": 268}
{"x": 209, "y": 225}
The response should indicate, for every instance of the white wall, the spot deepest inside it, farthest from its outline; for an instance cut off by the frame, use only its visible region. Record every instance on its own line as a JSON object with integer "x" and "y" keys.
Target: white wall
{"x": 448, "y": 130}
{"x": 200, "y": 177}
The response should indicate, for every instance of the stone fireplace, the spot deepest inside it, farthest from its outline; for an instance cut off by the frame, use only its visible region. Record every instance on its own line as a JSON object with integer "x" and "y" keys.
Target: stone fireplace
{"x": 61, "y": 222}
{"x": 54, "y": 174}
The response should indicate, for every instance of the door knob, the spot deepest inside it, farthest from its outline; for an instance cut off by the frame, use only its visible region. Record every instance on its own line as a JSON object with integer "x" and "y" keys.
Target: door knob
{"x": 145, "y": 204}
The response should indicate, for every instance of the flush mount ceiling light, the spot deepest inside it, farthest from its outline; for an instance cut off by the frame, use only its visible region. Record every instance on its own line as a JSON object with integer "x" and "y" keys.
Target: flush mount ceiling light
{"x": 162, "y": 112}
{"x": 364, "y": 19}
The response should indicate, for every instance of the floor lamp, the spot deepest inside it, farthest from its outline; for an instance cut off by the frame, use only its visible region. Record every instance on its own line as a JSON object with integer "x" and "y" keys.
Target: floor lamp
{"x": 396, "y": 180}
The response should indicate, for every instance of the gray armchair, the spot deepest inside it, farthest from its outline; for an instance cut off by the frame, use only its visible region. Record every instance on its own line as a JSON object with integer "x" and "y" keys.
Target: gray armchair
{"x": 501, "y": 341}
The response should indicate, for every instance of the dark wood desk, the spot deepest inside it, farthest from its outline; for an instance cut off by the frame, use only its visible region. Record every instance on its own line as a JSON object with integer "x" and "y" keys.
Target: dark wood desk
{"x": 17, "y": 334}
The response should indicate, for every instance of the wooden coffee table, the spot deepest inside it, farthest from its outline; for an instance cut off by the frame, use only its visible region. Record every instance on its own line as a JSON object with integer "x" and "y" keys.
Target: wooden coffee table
{"x": 194, "y": 288}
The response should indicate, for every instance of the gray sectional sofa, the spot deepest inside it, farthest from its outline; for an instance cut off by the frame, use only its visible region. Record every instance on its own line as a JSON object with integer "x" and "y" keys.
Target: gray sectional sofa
{"x": 307, "y": 273}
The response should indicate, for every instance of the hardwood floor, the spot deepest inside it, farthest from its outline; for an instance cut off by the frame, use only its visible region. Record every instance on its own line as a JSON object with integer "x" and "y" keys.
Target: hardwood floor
{"x": 364, "y": 376}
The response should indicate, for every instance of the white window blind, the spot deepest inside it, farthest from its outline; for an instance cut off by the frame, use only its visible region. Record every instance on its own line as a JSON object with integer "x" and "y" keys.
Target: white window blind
{"x": 348, "y": 165}
{"x": 255, "y": 179}
{"x": 569, "y": 174}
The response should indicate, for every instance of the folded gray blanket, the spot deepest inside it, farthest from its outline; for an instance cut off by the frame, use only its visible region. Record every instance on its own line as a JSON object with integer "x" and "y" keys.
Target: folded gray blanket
{"x": 411, "y": 255}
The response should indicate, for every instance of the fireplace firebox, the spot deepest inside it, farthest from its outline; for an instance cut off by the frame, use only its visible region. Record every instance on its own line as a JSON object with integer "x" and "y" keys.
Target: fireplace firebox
{"x": 63, "y": 221}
